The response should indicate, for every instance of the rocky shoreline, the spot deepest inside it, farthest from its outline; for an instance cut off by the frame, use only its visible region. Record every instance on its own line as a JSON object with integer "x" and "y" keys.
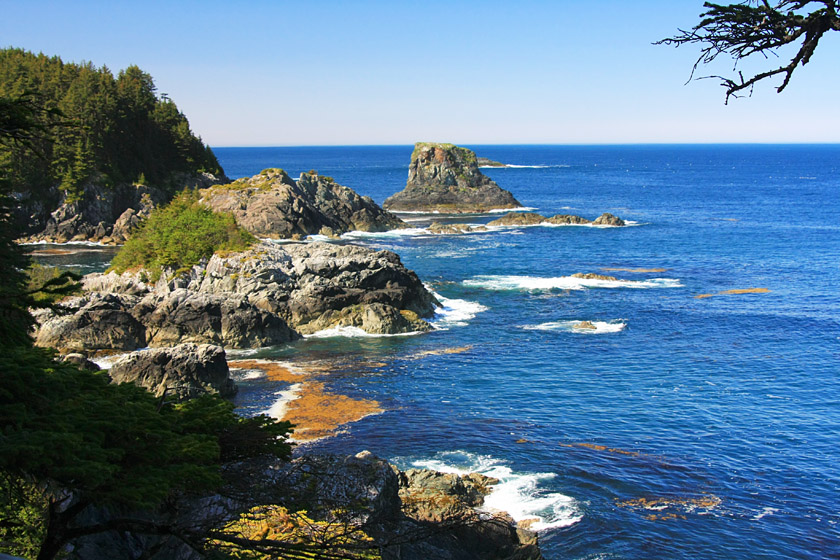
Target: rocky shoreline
{"x": 269, "y": 294}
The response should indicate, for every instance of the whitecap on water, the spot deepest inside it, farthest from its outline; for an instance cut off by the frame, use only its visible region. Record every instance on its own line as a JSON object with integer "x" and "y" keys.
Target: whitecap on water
{"x": 454, "y": 312}
{"x": 535, "y": 283}
{"x": 601, "y": 327}
{"x": 391, "y": 234}
{"x": 522, "y": 495}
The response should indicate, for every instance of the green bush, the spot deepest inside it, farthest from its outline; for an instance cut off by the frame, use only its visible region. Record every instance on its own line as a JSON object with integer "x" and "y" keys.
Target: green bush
{"x": 50, "y": 284}
{"x": 180, "y": 235}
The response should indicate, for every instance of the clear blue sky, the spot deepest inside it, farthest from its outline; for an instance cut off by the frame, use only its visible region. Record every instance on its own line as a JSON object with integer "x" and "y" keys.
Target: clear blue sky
{"x": 265, "y": 73}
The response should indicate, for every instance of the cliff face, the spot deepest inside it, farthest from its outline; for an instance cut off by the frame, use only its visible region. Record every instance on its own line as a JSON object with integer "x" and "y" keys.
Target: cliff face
{"x": 446, "y": 178}
{"x": 271, "y": 204}
{"x": 102, "y": 214}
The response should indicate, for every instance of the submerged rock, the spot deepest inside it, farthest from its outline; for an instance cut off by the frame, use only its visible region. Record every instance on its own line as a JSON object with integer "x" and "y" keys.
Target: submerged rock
{"x": 183, "y": 372}
{"x": 271, "y": 204}
{"x": 446, "y": 178}
{"x": 585, "y": 325}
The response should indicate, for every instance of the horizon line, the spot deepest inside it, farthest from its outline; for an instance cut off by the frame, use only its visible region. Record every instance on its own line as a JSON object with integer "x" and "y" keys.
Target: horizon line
{"x": 569, "y": 144}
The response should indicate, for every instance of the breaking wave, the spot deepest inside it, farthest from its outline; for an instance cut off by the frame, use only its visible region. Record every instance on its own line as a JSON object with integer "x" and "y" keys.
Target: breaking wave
{"x": 535, "y": 283}
{"x": 579, "y": 327}
{"x": 455, "y": 312}
{"x": 522, "y": 495}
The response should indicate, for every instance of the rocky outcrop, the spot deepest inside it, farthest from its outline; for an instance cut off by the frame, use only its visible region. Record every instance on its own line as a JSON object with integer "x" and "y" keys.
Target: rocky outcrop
{"x": 183, "y": 372}
{"x": 446, "y": 178}
{"x": 531, "y": 219}
{"x": 93, "y": 322}
{"x": 367, "y": 501}
{"x": 102, "y": 214}
{"x": 518, "y": 219}
{"x": 230, "y": 320}
{"x": 608, "y": 219}
{"x": 487, "y": 162}
{"x": 438, "y": 228}
{"x": 272, "y": 205}
{"x": 373, "y": 318}
{"x": 267, "y": 295}
{"x": 413, "y": 515}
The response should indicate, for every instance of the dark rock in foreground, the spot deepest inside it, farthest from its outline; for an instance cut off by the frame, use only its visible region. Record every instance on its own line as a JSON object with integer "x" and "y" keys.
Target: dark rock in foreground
{"x": 412, "y": 515}
{"x": 272, "y": 205}
{"x": 183, "y": 372}
{"x": 446, "y": 178}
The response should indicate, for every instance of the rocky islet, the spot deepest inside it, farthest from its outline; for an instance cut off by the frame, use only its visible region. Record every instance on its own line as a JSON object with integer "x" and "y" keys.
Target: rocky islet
{"x": 446, "y": 178}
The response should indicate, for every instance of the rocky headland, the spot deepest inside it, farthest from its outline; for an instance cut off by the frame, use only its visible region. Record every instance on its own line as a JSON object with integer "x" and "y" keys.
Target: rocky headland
{"x": 446, "y": 178}
{"x": 272, "y": 205}
{"x": 266, "y": 295}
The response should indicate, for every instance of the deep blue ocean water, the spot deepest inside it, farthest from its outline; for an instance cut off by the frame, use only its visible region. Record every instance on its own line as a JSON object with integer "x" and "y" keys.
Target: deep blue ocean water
{"x": 682, "y": 427}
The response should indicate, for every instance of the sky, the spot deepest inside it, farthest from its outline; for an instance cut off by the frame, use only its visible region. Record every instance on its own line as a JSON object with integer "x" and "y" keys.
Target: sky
{"x": 311, "y": 72}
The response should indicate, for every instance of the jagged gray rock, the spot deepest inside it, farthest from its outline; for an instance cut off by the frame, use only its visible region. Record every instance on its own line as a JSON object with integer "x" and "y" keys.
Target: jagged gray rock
{"x": 94, "y": 322}
{"x": 266, "y": 295}
{"x": 272, "y": 205}
{"x": 183, "y": 372}
{"x": 446, "y": 178}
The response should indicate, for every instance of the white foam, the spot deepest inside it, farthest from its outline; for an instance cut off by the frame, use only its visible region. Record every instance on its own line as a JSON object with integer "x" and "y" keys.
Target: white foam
{"x": 105, "y": 362}
{"x": 601, "y": 327}
{"x": 394, "y": 233}
{"x": 518, "y": 494}
{"x": 517, "y": 209}
{"x": 353, "y": 332}
{"x": 765, "y": 512}
{"x": 535, "y": 283}
{"x": 514, "y": 166}
{"x": 278, "y": 408}
{"x": 455, "y": 312}
{"x": 246, "y": 374}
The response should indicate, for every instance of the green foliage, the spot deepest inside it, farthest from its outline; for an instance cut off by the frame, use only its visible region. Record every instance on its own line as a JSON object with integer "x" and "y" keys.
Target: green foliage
{"x": 49, "y": 284}
{"x": 110, "y": 445}
{"x": 22, "y": 507}
{"x": 114, "y": 129}
{"x": 179, "y": 235}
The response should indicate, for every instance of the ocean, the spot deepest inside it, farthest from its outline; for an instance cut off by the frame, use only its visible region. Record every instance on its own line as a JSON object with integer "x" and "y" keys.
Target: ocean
{"x": 680, "y": 426}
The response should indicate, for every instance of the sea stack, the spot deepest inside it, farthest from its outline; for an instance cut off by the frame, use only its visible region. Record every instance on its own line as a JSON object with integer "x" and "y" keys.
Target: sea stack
{"x": 446, "y": 178}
